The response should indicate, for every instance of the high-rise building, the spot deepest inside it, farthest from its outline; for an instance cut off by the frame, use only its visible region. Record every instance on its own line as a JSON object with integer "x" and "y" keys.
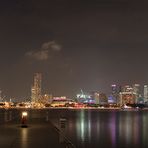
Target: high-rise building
{"x": 145, "y": 93}
{"x": 136, "y": 90}
{"x": 36, "y": 88}
{"x": 114, "y": 89}
{"x": 103, "y": 100}
{"x": 127, "y": 96}
{"x": 127, "y": 88}
{"x": 115, "y": 93}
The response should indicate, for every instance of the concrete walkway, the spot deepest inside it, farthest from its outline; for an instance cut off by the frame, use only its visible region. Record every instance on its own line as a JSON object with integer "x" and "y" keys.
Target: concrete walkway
{"x": 38, "y": 134}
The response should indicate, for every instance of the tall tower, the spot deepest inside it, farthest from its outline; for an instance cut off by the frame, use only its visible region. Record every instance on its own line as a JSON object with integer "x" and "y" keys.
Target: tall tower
{"x": 145, "y": 93}
{"x": 114, "y": 89}
{"x": 136, "y": 90}
{"x": 36, "y": 88}
{"x": 115, "y": 93}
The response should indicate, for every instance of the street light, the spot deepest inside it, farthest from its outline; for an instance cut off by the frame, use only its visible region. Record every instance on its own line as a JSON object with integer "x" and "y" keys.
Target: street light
{"x": 24, "y": 119}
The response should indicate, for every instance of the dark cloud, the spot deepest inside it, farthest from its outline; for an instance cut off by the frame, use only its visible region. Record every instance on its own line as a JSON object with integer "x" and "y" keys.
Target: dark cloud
{"x": 44, "y": 52}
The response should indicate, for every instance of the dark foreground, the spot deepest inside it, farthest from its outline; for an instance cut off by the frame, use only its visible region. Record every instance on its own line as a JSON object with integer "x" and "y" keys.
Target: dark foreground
{"x": 83, "y": 128}
{"x": 39, "y": 132}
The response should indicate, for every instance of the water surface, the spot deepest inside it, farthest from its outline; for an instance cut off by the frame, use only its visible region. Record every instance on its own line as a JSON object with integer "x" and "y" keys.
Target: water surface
{"x": 108, "y": 129}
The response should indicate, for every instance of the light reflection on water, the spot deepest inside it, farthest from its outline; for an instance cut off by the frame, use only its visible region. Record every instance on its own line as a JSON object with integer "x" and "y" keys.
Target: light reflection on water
{"x": 145, "y": 130}
{"x": 80, "y": 126}
{"x": 112, "y": 129}
{"x": 24, "y": 137}
{"x": 95, "y": 128}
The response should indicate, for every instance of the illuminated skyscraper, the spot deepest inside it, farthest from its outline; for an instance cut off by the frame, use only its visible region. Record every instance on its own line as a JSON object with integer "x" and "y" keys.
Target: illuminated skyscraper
{"x": 127, "y": 96}
{"x": 114, "y": 89}
{"x": 36, "y": 88}
{"x": 136, "y": 90}
{"x": 127, "y": 88}
{"x": 145, "y": 93}
{"x": 115, "y": 93}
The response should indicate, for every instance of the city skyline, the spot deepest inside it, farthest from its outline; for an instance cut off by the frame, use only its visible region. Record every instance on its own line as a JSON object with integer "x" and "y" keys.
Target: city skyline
{"x": 74, "y": 44}
{"x": 37, "y": 91}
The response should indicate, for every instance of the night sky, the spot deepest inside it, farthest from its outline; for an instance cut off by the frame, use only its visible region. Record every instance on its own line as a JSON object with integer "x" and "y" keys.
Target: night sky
{"x": 75, "y": 44}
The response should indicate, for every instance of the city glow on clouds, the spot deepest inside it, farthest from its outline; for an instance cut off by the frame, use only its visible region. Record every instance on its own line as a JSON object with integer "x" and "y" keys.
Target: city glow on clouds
{"x": 44, "y": 52}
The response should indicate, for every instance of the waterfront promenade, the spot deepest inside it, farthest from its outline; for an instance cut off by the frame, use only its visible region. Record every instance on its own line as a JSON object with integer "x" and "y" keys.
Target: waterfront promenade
{"x": 38, "y": 134}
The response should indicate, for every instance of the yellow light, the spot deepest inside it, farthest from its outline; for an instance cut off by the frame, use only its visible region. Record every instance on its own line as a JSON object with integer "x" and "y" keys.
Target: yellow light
{"x": 24, "y": 114}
